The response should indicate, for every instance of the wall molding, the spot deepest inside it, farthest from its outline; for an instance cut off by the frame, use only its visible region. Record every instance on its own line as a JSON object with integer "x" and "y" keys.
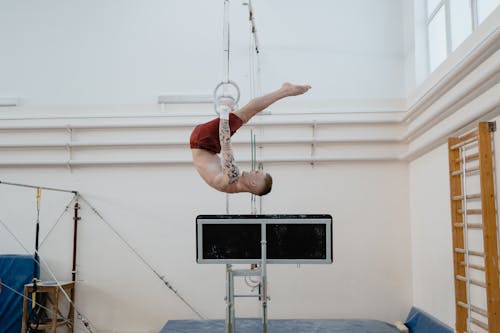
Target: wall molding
{"x": 82, "y": 123}
{"x": 468, "y": 93}
{"x": 482, "y": 51}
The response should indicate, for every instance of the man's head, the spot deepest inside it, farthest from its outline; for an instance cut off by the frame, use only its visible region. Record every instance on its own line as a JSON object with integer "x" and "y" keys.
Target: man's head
{"x": 257, "y": 182}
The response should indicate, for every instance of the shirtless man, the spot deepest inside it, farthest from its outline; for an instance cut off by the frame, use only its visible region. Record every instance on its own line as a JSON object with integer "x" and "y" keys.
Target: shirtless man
{"x": 208, "y": 139}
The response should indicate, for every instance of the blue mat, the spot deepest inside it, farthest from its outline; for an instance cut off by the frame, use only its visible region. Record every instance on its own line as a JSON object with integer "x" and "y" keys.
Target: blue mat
{"x": 419, "y": 321}
{"x": 282, "y": 326}
{"x": 15, "y": 272}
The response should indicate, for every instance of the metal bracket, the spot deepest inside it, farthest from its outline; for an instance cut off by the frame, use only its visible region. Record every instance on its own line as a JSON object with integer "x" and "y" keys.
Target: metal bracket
{"x": 492, "y": 126}
{"x": 68, "y": 146}
{"x": 313, "y": 144}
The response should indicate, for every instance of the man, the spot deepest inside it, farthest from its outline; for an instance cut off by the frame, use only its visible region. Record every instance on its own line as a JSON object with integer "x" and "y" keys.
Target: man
{"x": 207, "y": 140}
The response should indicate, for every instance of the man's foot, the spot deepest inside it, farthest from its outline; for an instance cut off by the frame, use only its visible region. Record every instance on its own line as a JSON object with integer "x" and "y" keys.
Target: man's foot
{"x": 294, "y": 89}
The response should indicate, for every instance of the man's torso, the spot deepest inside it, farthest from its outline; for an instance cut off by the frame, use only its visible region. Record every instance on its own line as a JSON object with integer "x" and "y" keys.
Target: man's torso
{"x": 209, "y": 167}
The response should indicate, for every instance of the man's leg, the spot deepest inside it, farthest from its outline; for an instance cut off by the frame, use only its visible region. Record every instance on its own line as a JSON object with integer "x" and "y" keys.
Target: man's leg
{"x": 258, "y": 104}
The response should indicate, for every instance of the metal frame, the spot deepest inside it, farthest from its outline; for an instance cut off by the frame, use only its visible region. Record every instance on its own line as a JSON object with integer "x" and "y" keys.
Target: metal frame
{"x": 428, "y": 21}
{"x": 264, "y": 220}
{"x": 262, "y": 295}
{"x": 231, "y": 273}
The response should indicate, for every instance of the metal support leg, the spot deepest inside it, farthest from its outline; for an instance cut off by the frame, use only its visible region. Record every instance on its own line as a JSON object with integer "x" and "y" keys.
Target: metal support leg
{"x": 263, "y": 282}
{"x": 230, "y": 322}
{"x": 230, "y": 296}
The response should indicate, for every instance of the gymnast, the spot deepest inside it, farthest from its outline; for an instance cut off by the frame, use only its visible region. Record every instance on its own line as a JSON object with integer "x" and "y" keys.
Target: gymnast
{"x": 208, "y": 139}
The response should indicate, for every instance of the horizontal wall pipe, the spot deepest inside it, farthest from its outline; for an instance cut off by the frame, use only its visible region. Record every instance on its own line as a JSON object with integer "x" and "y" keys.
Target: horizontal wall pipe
{"x": 89, "y": 144}
{"x": 275, "y": 122}
{"x": 76, "y": 163}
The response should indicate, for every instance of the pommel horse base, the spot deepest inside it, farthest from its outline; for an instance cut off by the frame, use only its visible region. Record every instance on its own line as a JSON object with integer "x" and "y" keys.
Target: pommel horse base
{"x": 260, "y": 240}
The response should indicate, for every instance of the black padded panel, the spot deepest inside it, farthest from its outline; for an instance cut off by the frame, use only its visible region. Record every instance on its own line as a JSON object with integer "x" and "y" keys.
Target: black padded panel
{"x": 301, "y": 238}
{"x": 296, "y": 241}
{"x": 231, "y": 241}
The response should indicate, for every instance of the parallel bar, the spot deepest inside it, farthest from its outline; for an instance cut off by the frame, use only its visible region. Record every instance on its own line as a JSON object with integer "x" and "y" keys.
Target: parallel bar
{"x": 468, "y": 197}
{"x": 471, "y": 211}
{"x": 469, "y": 225}
{"x": 464, "y": 143}
{"x": 472, "y": 253}
{"x": 471, "y": 281}
{"x": 467, "y": 171}
{"x": 37, "y": 187}
{"x": 475, "y": 309}
{"x": 479, "y": 311}
{"x": 476, "y": 267}
{"x": 479, "y": 323}
{"x": 465, "y": 140}
{"x": 468, "y": 158}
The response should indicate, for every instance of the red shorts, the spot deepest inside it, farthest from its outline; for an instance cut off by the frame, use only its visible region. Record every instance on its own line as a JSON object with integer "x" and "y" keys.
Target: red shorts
{"x": 206, "y": 136}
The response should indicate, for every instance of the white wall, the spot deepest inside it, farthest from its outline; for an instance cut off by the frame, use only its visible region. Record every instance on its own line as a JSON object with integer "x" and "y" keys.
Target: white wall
{"x": 461, "y": 92}
{"x": 125, "y": 53}
{"x": 155, "y": 209}
{"x": 432, "y": 257}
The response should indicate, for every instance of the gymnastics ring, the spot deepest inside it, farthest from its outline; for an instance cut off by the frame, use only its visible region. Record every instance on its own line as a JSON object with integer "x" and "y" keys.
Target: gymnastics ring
{"x": 217, "y": 97}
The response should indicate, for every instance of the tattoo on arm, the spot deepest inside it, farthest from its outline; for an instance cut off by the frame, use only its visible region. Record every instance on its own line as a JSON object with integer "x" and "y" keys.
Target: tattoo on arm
{"x": 228, "y": 163}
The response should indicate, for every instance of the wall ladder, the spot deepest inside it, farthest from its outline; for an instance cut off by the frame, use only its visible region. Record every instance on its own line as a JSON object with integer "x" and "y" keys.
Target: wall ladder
{"x": 474, "y": 231}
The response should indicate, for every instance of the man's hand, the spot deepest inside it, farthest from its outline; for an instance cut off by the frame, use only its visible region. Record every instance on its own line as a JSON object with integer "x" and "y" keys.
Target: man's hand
{"x": 225, "y": 105}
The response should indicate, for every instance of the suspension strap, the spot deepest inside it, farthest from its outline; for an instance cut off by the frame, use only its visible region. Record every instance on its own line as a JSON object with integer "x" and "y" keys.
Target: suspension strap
{"x": 142, "y": 258}
{"x": 254, "y": 53}
{"x": 226, "y": 40}
{"x": 226, "y": 93}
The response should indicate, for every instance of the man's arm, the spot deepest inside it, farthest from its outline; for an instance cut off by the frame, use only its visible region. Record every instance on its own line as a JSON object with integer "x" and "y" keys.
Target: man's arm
{"x": 230, "y": 169}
